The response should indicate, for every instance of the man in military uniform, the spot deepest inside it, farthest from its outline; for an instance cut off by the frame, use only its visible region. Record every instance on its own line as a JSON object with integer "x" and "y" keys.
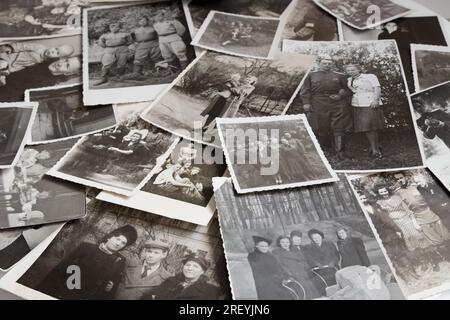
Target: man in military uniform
{"x": 116, "y": 51}
{"x": 325, "y": 98}
{"x": 144, "y": 275}
{"x": 147, "y": 46}
{"x": 170, "y": 32}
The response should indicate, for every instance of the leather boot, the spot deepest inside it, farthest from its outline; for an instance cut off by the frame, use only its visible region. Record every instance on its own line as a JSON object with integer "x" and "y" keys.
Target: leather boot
{"x": 104, "y": 77}
{"x": 339, "y": 147}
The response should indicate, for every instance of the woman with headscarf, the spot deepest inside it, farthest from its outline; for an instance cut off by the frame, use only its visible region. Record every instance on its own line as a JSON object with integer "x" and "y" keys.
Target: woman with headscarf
{"x": 190, "y": 284}
{"x": 101, "y": 267}
{"x": 268, "y": 273}
{"x": 323, "y": 259}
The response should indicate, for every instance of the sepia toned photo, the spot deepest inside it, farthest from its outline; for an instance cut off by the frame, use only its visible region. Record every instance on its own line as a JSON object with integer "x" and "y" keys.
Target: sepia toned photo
{"x": 120, "y": 159}
{"x": 432, "y": 110}
{"x": 38, "y": 63}
{"x": 308, "y": 22}
{"x": 405, "y": 31}
{"x": 301, "y": 244}
{"x": 198, "y": 10}
{"x": 357, "y": 103}
{"x": 363, "y": 14}
{"x": 137, "y": 50}
{"x": 16, "y": 120}
{"x": 29, "y": 197}
{"x": 182, "y": 187}
{"x": 39, "y": 18}
{"x": 219, "y": 85}
{"x": 240, "y": 35}
{"x": 431, "y": 65}
{"x": 15, "y": 244}
{"x": 275, "y": 152}
{"x": 125, "y": 254}
{"x": 409, "y": 211}
{"x": 62, "y": 115}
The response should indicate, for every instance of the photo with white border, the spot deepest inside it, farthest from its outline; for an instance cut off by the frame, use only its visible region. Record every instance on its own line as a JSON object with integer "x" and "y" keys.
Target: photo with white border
{"x": 295, "y": 160}
{"x": 246, "y": 36}
{"x": 16, "y": 120}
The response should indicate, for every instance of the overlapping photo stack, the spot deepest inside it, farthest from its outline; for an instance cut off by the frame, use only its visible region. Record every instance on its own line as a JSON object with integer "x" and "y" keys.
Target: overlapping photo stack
{"x": 228, "y": 149}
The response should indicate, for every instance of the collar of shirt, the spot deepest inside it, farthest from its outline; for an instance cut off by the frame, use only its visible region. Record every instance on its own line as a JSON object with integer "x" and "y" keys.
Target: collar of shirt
{"x": 147, "y": 270}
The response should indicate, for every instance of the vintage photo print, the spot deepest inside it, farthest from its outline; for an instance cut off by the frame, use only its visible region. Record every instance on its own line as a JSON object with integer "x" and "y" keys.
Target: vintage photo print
{"x": 428, "y": 30}
{"x": 431, "y": 65}
{"x": 410, "y": 213}
{"x": 301, "y": 244}
{"x": 218, "y": 85}
{"x": 29, "y": 197}
{"x": 432, "y": 110}
{"x": 182, "y": 188}
{"x": 38, "y": 63}
{"x": 133, "y": 51}
{"x": 275, "y": 152}
{"x": 121, "y": 159}
{"x": 357, "y": 103}
{"x": 62, "y": 115}
{"x": 363, "y": 14}
{"x": 16, "y": 120}
{"x": 15, "y": 244}
{"x": 198, "y": 10}
{"x": 308, "y": 22}
{"x": 125, "y": 254}
{"x": 246, "y": 36}
{"x": 39, "y": 18}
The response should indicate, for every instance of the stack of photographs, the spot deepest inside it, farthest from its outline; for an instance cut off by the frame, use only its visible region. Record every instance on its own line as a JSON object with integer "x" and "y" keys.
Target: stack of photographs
{"x": 214, "y": 150}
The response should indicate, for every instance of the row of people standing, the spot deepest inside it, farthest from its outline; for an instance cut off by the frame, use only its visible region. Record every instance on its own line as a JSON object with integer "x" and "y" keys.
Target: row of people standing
{"x": 310, "y": 268}
{"x": 155, "y": 40}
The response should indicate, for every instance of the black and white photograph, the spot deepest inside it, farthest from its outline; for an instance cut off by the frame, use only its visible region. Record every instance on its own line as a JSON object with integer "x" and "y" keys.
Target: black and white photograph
{"x": 432, "y": 110}
{"x": 308, "y": 22}
{"x": 364, "y": 14}
{"x": 125, "y": 254}
{"x": 410, "y": 213}
{"x": 15, "y": 244}
{"x": 29, "y": 197}
{"x": 182, "y": 187}
{"x": 62, "y": 115}
{"x": 431, "y": 65}
{"x": 427, "y": 30}
{"x": 39, "y": 18}
{"x": 274, "y": 152}
{"x": 219, "y": 85}
{"x": 246, "y": 36}
{"x": 121, "y": 159}
{"x": 301, "y": 244}
{"x": 198, "y": 10}
{"x": 16, "y": 120}
{"x": 133, "y": 51}
{"x": 38, "y": 63}
{"x": 357, "y": 103}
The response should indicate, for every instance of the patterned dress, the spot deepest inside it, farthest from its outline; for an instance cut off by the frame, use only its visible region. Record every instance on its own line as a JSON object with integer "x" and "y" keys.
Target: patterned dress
{"x": 398, "y": 211}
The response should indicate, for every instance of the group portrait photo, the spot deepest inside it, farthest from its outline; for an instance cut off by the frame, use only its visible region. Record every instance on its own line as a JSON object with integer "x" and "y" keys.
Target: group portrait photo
{"x": 302, "y": 244}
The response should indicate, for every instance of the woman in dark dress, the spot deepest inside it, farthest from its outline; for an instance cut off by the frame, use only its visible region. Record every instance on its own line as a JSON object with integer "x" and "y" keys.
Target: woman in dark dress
{"x": 225, "y": 94}
{"x": 303, "y": 275}
{"x": 101, "y": 268}
{"x": 190, "y": 284}
{"x": 267, "y": 272}
{"x": 323, "y": 259}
